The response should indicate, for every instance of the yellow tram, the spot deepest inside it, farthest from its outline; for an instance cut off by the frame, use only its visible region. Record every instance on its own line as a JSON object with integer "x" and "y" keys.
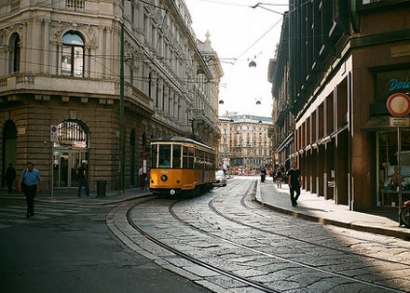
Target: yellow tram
{"x": 181, "y": 165}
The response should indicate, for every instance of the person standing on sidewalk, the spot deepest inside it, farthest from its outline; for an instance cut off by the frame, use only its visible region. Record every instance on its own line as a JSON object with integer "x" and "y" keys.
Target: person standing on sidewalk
{"x": 82, "y": 180}
{"x": 29, "y": 181}
{"x": 278, "y": 178}
{"x": 10, "y": 176}
{"x": 141, "y": 176}
{"x": 294, "y": 176}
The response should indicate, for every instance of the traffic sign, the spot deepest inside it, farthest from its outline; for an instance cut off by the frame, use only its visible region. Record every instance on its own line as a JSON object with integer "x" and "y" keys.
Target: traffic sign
{"x": 399, "y": 121}
{"x": 398, "y": 104}
{"x": 53, "y": 133}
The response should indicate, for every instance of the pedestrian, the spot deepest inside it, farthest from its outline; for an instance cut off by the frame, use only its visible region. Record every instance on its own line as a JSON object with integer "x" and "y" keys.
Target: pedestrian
{"x": 263, "y": 174}
{"x": 146, "y": 182}
{"x": 141, "y": 175}
{"x": 10, "y": 176}
{"x": 294, "y": 177}
{"x": 278, "y": 178}
{"x": 82, "y": 180}
{"x": 29, "y": 183}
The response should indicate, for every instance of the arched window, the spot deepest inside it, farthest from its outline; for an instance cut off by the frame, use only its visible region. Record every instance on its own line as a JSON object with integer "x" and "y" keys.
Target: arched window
{"x": 72, "y": 59}
{"x": 15, "y": 53}
{"x": 71, "y": 134}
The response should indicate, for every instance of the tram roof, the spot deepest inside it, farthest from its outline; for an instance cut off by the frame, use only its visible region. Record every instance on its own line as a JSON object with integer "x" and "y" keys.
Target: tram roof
{"x": 180, "y": 139}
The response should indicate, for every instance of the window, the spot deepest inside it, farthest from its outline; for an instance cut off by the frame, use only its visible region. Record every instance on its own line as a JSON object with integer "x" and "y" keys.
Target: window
{"x": 188, "y": 158}
{"x": 71, "y": 133}
{"x": 72, "y": 59}
{"x": 15, "y": 53}
{"x": 176, "y": 157}
{"x": 75, "y": 4}
{"x": 165, "y": 156}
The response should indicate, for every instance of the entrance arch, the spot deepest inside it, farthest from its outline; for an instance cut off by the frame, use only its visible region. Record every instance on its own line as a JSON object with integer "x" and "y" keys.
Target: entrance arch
{"x": 69, "y": 152}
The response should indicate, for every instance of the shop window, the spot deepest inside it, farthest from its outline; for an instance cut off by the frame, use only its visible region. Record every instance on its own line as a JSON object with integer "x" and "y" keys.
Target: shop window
{"x": 72, "y": 59}
{"x": 390, "y": 82}
{"x": 388, "y": 167}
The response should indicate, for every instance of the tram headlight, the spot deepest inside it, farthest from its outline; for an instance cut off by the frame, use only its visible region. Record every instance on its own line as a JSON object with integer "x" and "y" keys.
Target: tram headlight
{"x": 164, "y": 177}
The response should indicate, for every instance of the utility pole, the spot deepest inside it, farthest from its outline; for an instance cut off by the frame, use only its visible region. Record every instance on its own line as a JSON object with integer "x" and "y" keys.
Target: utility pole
{"x": 122, "y": 118}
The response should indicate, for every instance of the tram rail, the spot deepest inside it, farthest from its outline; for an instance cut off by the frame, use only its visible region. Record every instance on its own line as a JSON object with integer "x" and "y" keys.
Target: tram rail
{"x": 248, "y": 281}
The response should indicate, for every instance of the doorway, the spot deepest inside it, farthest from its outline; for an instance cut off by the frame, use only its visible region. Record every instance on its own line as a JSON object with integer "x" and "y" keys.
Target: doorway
{"x": 65, "y": 164}
{"x": 69, "y": 152}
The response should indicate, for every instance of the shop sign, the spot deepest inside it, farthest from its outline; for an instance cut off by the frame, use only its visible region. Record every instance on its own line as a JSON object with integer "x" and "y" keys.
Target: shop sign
{"x": 395, "y": 84}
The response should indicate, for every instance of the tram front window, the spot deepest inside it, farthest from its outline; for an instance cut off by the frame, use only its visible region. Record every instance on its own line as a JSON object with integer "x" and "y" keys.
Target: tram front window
{"x": 165, "y": 156}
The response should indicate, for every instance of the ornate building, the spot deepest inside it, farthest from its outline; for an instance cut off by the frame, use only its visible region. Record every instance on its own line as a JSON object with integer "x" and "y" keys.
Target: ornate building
{"x": 95, "y": 80}
{"x": 245, "y": 144}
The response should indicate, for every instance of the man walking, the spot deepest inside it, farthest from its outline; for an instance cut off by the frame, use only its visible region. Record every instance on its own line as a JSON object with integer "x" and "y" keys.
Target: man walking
{"x": 28, "y": 183}
{"x": 82, "y": 180}
{"x": 294, "y": 183}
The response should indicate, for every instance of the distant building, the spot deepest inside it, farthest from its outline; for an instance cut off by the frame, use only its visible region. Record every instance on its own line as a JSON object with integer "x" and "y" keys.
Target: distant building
{"x": 245, "y": 142}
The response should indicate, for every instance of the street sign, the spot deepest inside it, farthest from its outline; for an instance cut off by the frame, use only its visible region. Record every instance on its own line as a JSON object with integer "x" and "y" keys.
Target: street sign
{"x": 53, "y": 133}
{"x": 398, "y": 104}
{"x": 399, "y": 121}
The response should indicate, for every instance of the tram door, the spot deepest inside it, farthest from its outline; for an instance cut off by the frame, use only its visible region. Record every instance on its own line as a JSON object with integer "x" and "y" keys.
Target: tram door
{"x": 65, "y": 164}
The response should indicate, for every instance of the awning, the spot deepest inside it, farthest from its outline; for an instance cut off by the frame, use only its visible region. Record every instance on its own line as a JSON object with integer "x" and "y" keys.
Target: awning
{"x": 377, "y": 123}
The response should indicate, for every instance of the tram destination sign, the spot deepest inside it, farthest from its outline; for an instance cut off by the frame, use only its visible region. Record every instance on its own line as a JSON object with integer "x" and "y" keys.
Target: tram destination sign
{"x": 399, "y": 121}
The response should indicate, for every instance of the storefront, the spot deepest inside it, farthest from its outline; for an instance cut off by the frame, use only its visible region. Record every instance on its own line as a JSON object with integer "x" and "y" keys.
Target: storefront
{"x": 392, "y": 139}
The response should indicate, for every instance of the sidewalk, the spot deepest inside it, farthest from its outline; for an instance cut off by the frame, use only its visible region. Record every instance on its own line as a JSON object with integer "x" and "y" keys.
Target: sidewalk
{"x": 314, "y": 208}
{"x": 69, "y": 195}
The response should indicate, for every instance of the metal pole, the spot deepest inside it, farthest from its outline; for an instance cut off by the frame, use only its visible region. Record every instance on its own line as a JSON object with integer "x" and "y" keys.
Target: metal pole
{"x": 52, "y": 170}
{"x": 399, "y": 166}
{"x": 122, "y": 120}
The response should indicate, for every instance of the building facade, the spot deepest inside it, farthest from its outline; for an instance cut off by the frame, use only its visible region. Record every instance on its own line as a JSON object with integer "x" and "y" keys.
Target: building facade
{"x": 94, "y": 81}
{"x": 245, "y": 145}
{"x": 337, "y": 64}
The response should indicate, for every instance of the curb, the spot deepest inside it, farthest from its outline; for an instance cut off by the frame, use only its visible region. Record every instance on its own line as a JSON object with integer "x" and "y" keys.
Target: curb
{"x": 398, "y": 233}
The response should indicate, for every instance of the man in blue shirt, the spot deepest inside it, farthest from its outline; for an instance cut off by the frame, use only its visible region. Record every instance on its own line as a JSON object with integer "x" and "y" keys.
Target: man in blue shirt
{"x": 29, "y": 180}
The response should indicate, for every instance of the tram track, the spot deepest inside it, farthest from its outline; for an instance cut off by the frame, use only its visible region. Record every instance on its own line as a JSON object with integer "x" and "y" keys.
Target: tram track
{"x": 251, "y": 282}
{"x": 292, "y": 238}
{"x": 243, "y": 203}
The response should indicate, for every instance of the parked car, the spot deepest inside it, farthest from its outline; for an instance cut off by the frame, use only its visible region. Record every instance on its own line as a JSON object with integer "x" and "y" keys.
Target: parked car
{"x": 220, "y": 178}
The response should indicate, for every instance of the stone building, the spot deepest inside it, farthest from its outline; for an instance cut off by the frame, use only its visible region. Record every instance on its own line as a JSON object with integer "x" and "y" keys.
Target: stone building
{"x": 245, "y": 143}
{"x": 94, "y": 81}
{"x": 337, "y": 64}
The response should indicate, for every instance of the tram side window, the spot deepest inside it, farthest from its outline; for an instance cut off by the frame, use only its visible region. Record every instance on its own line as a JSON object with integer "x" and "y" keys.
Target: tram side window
{"x": 211, "y": 165}
{"x": 199, "y": 159}
{"x": 188, "y": 158}
{"x": 176, "y": 156}
{"x": 165, "y": 156}
{"x": 154, "y": 152}
{"x": 207, "y": 161}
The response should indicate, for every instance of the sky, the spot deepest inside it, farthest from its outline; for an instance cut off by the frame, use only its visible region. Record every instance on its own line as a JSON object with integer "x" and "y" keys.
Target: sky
{"x": 240, "y": 34}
